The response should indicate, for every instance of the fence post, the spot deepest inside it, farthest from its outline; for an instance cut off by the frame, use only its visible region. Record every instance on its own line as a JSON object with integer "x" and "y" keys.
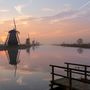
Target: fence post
{"x": 85, "y": 72}
{"x": 67, "y": 70}
{"x": 70, "y": 78}
{"x": 52, "y": 73}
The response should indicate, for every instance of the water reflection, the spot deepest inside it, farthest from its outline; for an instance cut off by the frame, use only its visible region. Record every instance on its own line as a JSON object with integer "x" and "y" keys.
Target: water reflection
{"x": 80, "y": 50}
{"x": 33, "y": 70}
{"x": 13, "y": 54}
{"x": 58, "y": 88}
{"x": 28, "y": 50}
{"x": 33, "y": 48}
{"x": 13, "y": 57}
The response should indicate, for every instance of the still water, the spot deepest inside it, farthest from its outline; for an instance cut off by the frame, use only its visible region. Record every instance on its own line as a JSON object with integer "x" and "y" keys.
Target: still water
{"x": 29, "y": 69}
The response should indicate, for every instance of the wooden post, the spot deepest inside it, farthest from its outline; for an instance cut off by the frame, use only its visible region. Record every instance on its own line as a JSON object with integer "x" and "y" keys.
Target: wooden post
{"x": 52, "y": 73}
{"x": 85, "y": 72}
{"x": 70, "y": 78}
{"x": 52, "y": 77}
{"x": 68, "y": 70}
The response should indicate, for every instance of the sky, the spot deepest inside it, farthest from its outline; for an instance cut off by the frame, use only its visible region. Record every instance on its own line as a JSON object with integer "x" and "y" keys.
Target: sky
{"x": 47, "y": 21}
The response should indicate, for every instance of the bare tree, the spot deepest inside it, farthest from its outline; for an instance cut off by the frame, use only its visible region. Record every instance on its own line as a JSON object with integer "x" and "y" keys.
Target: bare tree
{"x": 80, "y": 41}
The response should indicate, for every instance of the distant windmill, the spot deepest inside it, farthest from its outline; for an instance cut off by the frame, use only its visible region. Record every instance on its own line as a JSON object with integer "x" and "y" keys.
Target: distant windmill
{"x": 13, "y": 38}
{"x": 28, "y": 41}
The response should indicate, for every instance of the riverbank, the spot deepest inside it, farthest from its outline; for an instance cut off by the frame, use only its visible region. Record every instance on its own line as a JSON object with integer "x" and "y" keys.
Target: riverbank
{"x": 74, "y": 45}
{"x": 21, "y": 46}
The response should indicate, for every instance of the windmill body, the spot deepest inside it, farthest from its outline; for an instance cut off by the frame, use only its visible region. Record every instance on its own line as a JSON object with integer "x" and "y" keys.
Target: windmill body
{"x": 13, "y": 39}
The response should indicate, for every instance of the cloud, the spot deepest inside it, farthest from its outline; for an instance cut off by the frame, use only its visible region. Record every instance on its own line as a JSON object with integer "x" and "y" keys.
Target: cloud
{"x": 64, "y": 14}
{"x": 24, "y": 17}
{"x": 66, "y": 7}
{"x": 84, "y": 5}
{"x": 67, "y": 13}
{"x": 4, "y": 11}
{"x": 19, "y": 8}
{"x": 47, "y": 9}
{"x": 68, "y": 16}
{"x": 3, "y": 20}
{"x": 4, "y": 79}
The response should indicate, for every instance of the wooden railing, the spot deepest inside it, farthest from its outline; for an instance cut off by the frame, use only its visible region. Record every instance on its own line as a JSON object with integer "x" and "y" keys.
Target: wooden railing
{"x": 85, "y": 67}
{"x": 71, "y": 71}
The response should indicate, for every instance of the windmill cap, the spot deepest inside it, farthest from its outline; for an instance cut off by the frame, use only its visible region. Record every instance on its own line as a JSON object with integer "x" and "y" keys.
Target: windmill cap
{"x": 13, "y": 31}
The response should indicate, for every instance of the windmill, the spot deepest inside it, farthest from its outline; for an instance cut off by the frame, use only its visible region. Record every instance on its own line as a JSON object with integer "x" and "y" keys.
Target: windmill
{"x": 28, "y": 41}
{"x": 12, "y": 37}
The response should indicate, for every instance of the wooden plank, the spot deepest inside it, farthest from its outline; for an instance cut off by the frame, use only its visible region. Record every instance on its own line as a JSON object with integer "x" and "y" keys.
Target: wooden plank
{"x": 55, "y": 66}
{"x": 77, "y": 64}
{"x": 75, "y": 84}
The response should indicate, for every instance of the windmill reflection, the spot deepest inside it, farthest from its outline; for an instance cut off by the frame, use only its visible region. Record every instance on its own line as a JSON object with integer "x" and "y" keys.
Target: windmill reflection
{"x": 13, "y": 57}
{"x": 28, "y": 50}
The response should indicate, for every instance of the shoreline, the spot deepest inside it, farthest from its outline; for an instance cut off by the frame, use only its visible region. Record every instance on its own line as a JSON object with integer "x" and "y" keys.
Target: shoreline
{"x": 74, "y": 45}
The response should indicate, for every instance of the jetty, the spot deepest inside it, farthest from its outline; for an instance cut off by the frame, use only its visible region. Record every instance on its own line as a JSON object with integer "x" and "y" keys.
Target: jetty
{"x": 72, "y": 77}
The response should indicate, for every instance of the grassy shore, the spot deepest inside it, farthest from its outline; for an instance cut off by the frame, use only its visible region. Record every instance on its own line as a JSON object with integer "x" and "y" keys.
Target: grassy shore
{"x": 74, "y": 45}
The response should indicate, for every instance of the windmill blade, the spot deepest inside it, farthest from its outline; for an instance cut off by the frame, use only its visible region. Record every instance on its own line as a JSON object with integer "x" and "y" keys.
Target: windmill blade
{"x": 6, "y": 40}
{"x": 18, "y": 38}
{"x": 14, "y": 23}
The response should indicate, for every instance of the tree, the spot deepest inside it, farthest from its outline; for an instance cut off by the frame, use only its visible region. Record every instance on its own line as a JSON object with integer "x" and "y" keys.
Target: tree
{"x": 80, "y": 41}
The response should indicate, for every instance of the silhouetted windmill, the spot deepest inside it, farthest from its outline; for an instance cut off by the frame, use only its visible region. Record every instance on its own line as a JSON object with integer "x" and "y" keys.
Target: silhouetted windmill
{"x": 13, "y": 38}
{"x": 28, "y": 41}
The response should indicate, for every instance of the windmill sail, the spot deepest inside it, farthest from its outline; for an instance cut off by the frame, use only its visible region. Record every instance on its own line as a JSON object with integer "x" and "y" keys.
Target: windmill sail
{"x": 14, "y": 23}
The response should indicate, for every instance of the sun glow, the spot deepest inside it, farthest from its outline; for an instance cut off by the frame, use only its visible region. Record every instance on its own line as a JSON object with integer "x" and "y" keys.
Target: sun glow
{"x": 3, "y": 38}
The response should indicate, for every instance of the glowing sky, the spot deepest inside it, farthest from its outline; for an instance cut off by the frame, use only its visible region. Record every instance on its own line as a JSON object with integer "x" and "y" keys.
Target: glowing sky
{"x": 47, "y": 21}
